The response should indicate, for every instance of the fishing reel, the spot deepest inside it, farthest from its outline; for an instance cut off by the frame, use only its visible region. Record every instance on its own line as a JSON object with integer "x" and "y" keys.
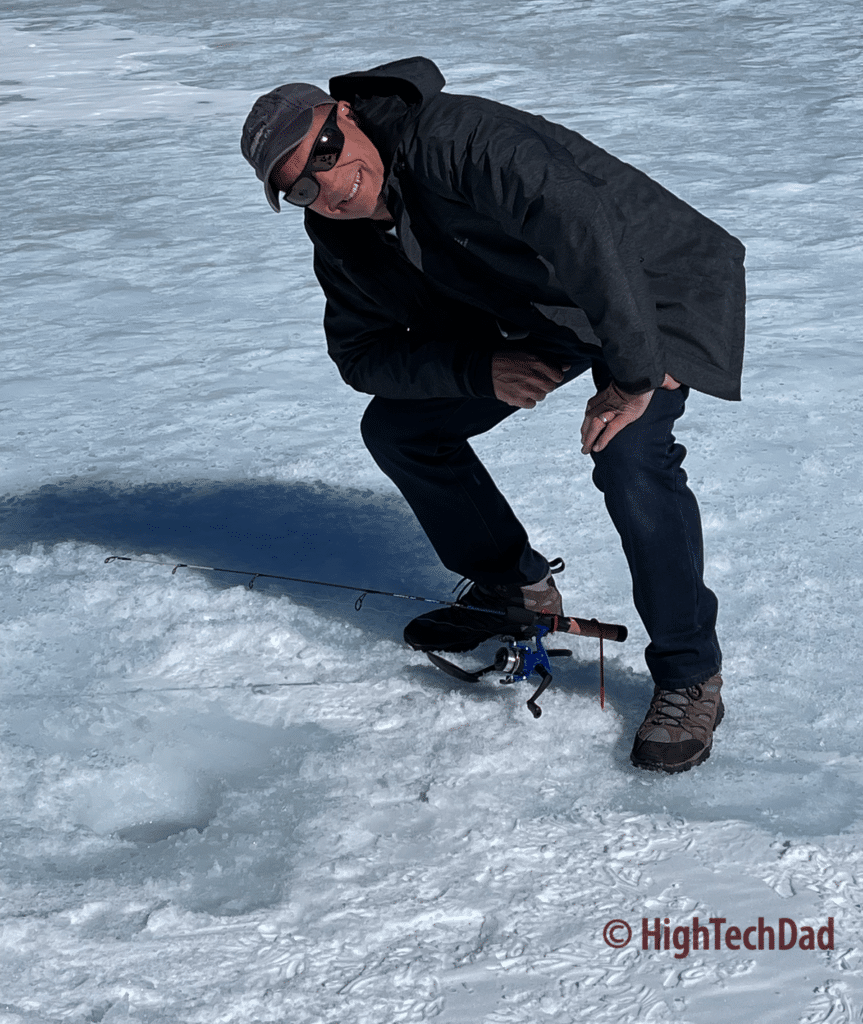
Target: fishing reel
{"x": 517, "y": 660}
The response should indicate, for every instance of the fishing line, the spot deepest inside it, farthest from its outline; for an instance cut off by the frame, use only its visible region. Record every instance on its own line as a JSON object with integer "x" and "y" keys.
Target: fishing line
{"x": 259, "y": 689}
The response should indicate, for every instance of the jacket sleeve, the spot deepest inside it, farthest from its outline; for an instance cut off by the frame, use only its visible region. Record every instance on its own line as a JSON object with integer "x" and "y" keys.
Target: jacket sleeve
{"x": 535, "y": 190}
{"x": 387, "y": 333}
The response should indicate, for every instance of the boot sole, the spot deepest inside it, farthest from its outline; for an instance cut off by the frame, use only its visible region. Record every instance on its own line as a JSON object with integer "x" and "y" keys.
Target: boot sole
{"x": 676, "y": 769}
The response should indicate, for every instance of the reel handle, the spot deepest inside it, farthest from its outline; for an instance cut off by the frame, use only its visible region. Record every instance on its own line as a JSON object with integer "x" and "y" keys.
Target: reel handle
{"x": 561, "y": 624}
{"x": 590, "y": 627}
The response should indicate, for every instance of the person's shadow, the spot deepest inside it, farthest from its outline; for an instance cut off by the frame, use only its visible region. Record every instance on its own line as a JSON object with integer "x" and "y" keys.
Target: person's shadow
{"x": 307, "y": 529}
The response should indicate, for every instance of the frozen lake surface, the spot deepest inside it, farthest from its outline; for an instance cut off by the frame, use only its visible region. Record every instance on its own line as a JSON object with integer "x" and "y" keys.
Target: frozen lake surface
{"x": 257, "y": 806}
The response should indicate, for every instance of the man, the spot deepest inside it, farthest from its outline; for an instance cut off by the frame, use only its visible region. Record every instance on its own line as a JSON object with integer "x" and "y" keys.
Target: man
{"x": 474, "y": 258}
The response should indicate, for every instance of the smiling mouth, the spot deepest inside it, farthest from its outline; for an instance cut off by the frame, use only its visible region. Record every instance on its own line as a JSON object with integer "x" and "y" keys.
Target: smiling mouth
{"x": 354, "y": 189}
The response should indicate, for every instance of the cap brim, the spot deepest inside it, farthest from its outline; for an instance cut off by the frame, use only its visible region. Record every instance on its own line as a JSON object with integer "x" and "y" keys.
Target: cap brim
{"x": 270, "y": 190}
{"x": 280, "y": 146}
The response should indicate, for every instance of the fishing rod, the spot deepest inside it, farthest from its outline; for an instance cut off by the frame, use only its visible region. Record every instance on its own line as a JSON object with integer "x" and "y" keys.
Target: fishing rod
{"x": 516, "y": 660}
{"x": 515, "y": 615}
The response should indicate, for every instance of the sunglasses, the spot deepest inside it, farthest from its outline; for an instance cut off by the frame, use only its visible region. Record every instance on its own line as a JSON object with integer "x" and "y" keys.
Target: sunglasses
{"x": 325, "y": 155}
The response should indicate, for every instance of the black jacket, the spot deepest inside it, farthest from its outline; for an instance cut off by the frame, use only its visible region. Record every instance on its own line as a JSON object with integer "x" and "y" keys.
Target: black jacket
{"x": 516, "y": 232}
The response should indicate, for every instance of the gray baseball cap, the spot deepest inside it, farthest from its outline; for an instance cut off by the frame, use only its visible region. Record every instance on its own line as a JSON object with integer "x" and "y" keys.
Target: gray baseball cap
{"x": 278, "y": 123}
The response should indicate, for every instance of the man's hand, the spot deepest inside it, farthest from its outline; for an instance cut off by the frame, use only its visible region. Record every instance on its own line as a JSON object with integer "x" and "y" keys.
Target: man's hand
{"x": 521, "y": 379}
{"x": 609, "y": 411}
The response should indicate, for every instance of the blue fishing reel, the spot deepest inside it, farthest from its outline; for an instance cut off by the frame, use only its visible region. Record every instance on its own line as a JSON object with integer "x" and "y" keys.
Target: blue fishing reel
{"x": 516, "y": 660}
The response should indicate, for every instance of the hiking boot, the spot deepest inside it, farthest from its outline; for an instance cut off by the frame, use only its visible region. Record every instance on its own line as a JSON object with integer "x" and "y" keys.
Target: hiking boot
{"x": 677, "y": 732}
{"x": 465, "y": 625}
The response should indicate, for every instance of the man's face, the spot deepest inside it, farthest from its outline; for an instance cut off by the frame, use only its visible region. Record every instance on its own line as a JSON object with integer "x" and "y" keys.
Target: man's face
{"x": 352, "y": 189}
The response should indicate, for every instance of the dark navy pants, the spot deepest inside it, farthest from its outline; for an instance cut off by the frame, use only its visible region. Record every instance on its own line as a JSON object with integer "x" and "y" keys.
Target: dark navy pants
{"x": 423, "y": 447}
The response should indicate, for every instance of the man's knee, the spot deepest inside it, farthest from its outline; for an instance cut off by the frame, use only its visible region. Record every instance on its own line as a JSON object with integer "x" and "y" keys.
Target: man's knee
{"x": 390, "y": 427}
{"x": 647, "y": 445}
{"x": 372, "y": 426}
{"x": 629, "y": 465}
{"x": 640, "y": 462}
{"x": 385, "y": 424}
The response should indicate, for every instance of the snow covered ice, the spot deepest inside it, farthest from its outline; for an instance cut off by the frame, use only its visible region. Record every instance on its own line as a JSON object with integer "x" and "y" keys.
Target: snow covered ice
{"x": 231, "y": 805}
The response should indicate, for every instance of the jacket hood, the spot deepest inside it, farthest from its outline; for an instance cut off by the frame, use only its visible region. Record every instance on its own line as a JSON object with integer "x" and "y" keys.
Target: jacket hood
{"x": 387, "y": 98}
{"x": 414, "y": 80}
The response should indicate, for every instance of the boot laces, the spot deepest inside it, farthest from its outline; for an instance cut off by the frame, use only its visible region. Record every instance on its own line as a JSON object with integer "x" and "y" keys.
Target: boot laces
{"x": 673, "y": 707}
